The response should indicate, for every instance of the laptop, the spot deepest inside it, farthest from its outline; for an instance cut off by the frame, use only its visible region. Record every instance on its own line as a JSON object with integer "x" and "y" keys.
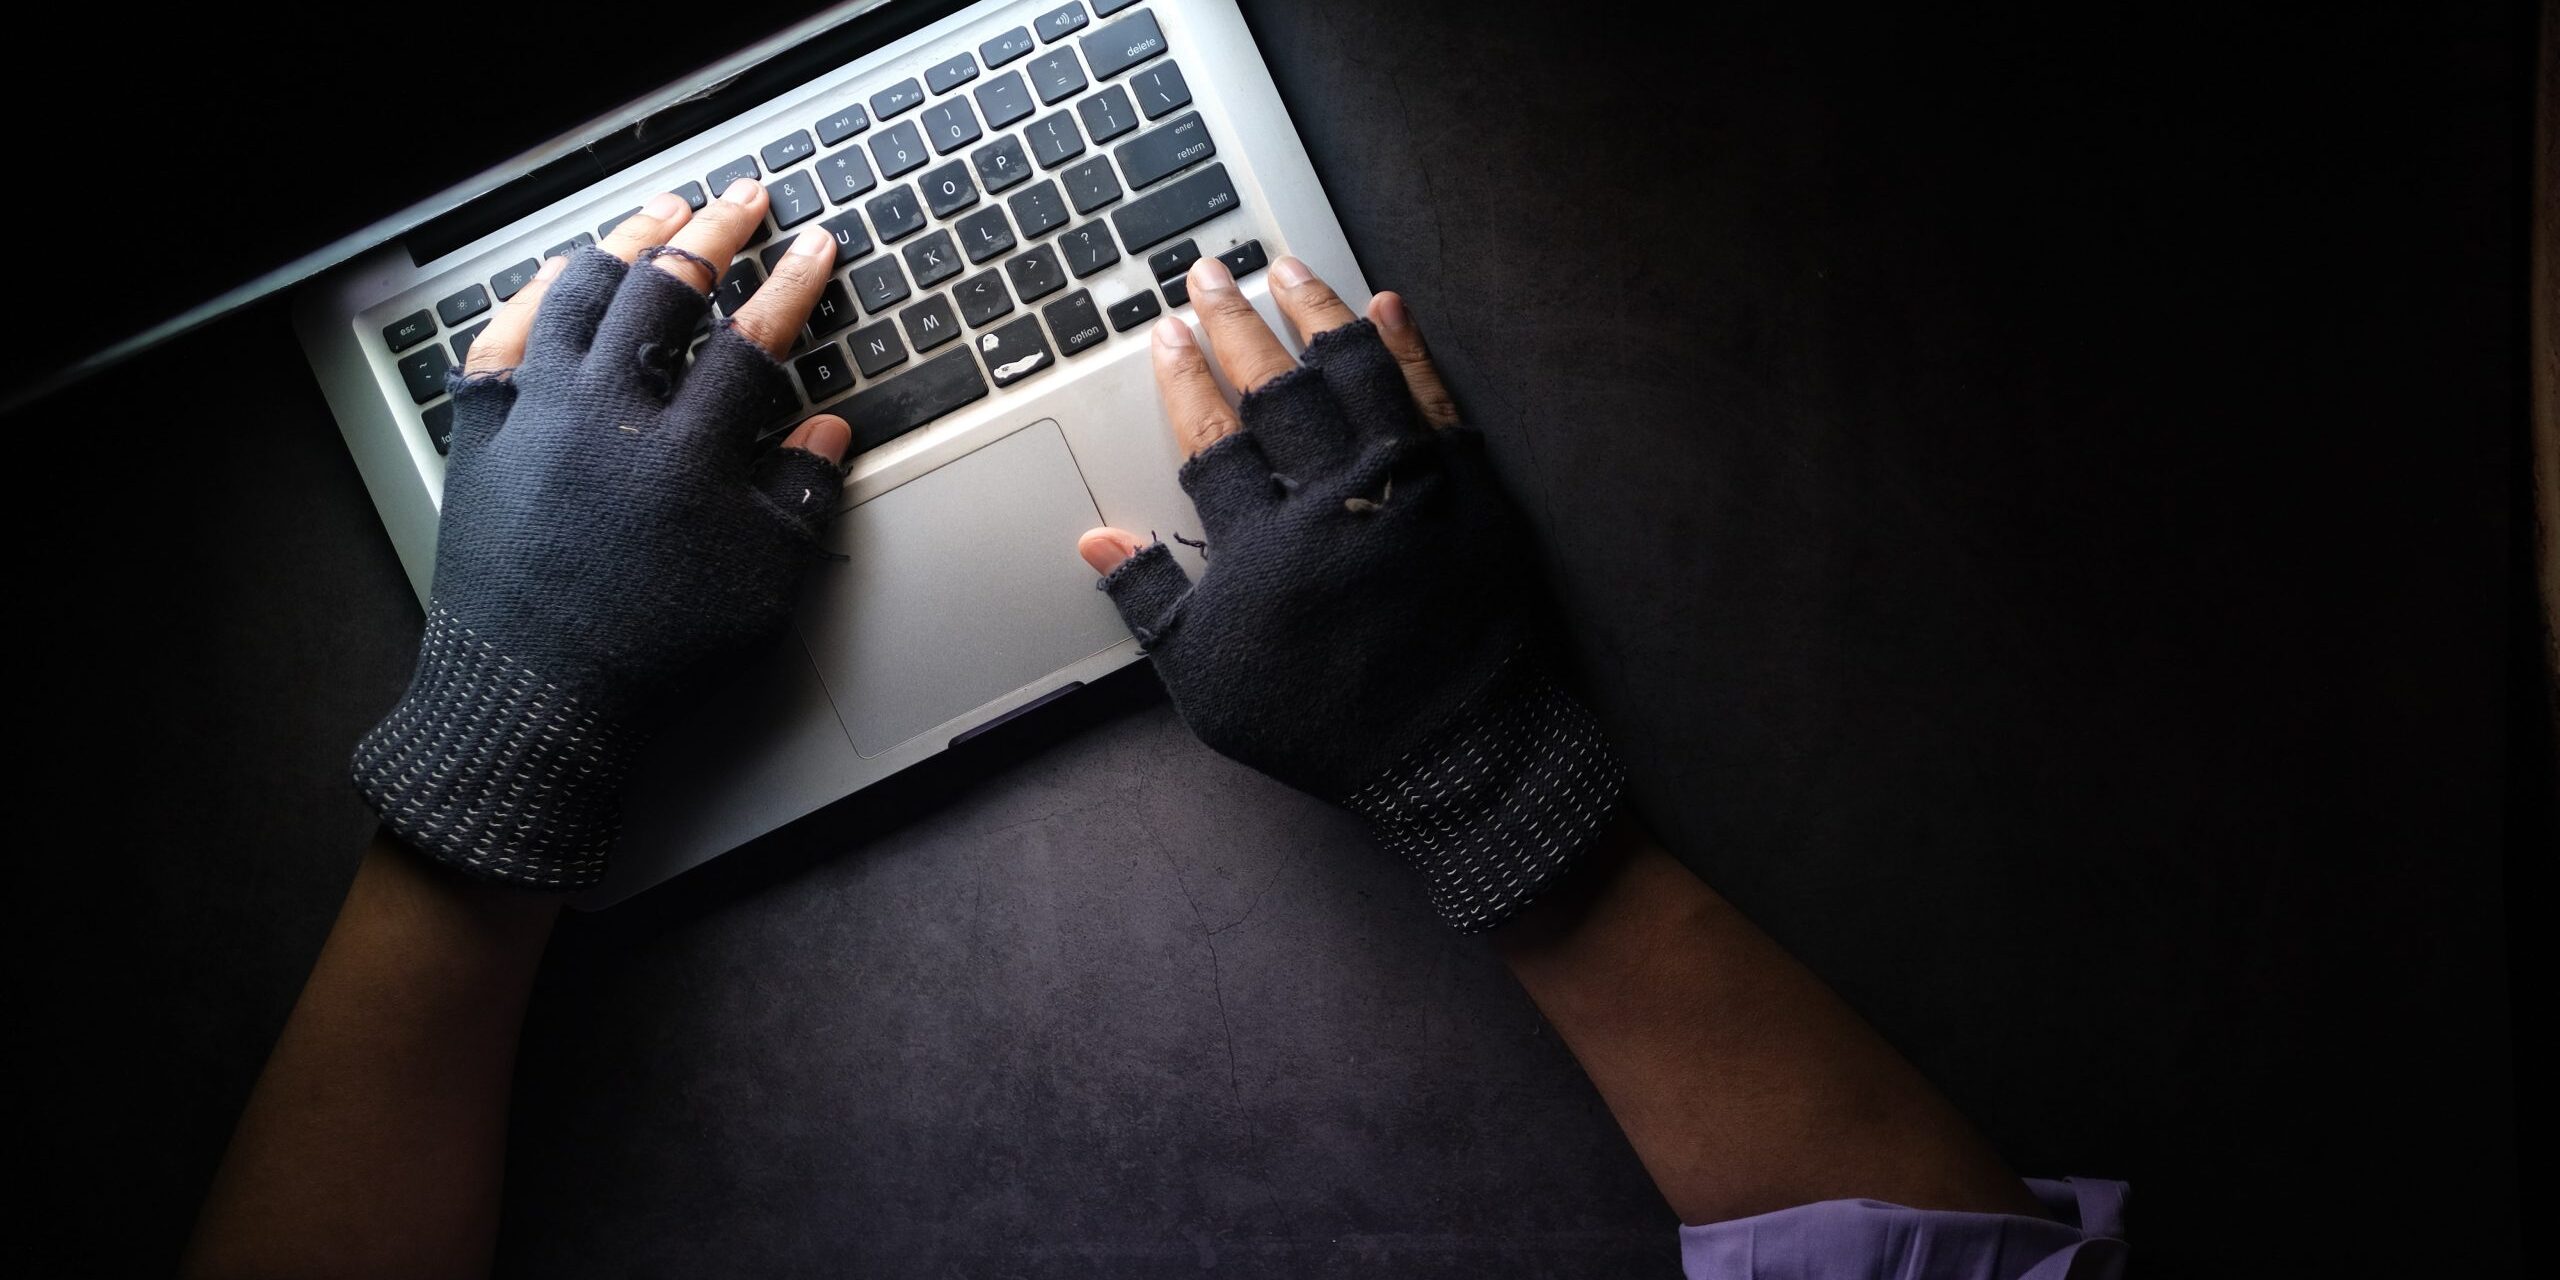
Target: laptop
{"x": 1016, "y": 188}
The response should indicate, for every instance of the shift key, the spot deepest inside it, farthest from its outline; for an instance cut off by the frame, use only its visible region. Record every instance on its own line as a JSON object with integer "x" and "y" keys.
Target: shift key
{"x": 1152, "y": 219}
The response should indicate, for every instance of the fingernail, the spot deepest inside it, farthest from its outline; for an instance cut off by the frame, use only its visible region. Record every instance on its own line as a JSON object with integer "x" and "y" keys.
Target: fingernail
{"x": 1290, "y": 272}
{"x": 664, "y": 205}
{"x": 1391, "y": 316}
{"x": 1209, "y": 275}
{"x": 811, "y": 242}
{"x": 550, "y": 267}
{"x": 1172, "y": 333}
{"x": 740, "y": 191}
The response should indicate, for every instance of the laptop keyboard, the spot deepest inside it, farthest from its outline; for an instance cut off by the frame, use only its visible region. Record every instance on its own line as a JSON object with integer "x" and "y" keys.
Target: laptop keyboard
{"x": 972, "y": 197}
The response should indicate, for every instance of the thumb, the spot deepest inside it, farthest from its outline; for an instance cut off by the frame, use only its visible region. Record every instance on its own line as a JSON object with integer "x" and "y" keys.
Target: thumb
{"x": 1106, "y": 547}
{"x": 1143, "y": 581}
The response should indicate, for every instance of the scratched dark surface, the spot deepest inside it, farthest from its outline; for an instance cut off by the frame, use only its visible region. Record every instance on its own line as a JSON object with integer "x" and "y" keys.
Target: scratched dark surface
{"x": 2034, "y": 497}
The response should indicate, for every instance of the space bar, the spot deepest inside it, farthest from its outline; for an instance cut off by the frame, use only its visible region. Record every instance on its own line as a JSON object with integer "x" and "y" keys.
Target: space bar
{"x": 883, "y": 413}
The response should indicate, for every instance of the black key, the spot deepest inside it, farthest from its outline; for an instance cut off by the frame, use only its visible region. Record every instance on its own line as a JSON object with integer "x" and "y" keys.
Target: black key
{"x": 1158, "y": 153}
{"x": 883, "y": 413}
{"x": 899, "y": 149}
{"x": 440, "y": 425}
{"x": 947, "y": 190}
{"x": 506, "y": 284}
{"x": 1015, "y": 351}
{"x": 1036, "y": 274}
{"x": 409, "y": 330}
{"x": 1088, "y": 249}
{"x": 1000, "y": 163}
{"x": 1105, "y": 8}
{"x": 1160, "y": 89}
{"x": 1005, "y": 48}
{"x": 1054, "y": 140}
{"x": 1177, "y": 291}
{"x": 462, "y": 342}
{"x": 1004, "y": 99}
{"x": 852, "y": 239}
{"x": 879, "y": 283}
{"x": 950, "y": 124}
{"x": 606, "y": 231}
{"x": 824, "y": 372}
{"x": 795, "y": 200}
{"x": 877, "y": 349}
{"x": 1061, "y": 22}
{"x": 846, "y": 175}
{"x": 933, "y": 260}
{"x": 1244, "y": 259}
{"x": 1074, "y": 322}
{"x": 694, "y": 197}
{"x": 738, "y": 285}
{"x": 842, "y": 125}
{"x": 742, "y": 167}
{"x": 834, "y": 310}
{"x": 1039, "y": 210}
{"x": 896, "y": 98}
{"x": 985, "y": 234}
{"x": 569, "y": 246}
{"x": 930, "y": 323}
{"x": 1108, "y": 114}
{"x": 947, "y": 76}
{"x": 424, "y": 373}
{"x": 1091, "y": 185}
{"x": 895, "y": 215}
{"x": 1057, "y": 76}
{"x": 1137, "y": 309}
{"x": 1123, "y": 44}
{"x": 982, "y": 298}
{"x": 782, "y": 153}
{"x": 1152, "y": 219}
{"x": 1165, "y": 264}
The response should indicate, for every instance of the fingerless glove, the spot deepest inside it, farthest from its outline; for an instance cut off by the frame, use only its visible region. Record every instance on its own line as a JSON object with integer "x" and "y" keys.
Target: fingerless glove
{"x": 1363, "y": 632}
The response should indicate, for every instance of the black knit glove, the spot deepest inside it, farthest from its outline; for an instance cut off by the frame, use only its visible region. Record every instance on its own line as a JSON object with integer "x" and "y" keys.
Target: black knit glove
{"x": 608, "y": 533}
{"x": 1363, "y": 633}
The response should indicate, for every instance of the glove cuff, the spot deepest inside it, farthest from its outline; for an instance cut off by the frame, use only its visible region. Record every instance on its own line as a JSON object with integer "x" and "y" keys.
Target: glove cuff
{"x": 1500, "y": 802}
{"x": 490, "y": 769}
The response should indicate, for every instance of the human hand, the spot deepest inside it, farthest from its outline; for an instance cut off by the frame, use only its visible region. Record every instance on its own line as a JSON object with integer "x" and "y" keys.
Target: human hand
{"x": 1365, "y": 629}
{"x": 609, "y": 531}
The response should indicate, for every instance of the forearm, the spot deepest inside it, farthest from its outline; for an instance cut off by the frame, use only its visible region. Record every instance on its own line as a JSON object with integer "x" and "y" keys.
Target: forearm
{"x": 1744, "y": 1084}
{"x": 374, "y": 1142}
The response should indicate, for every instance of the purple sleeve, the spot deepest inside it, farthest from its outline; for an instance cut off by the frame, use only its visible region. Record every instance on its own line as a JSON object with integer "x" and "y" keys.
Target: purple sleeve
{"x": 2084, "y": 1240}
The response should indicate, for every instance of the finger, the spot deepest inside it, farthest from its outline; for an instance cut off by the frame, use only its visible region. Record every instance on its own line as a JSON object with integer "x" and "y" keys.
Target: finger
{"x": 1245, "y": 346}
{"x": 716, "y": 234}
{"x": 1145, "y": 588}
{"x": 1106, "y": 547}
{"x": 803, "y": 478}
{"x": 501, "y": 345}
{"x": 1311, "y": 305}
{"x": 656, "y": 221}
{"x": 825, "y": 435}
{"x": 773, "y": 318}
{"x": 1404, "y": 341}
{"x": 1199, "y": 411}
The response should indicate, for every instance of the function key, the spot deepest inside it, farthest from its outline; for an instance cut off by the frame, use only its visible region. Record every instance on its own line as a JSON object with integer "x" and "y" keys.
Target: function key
{"x": 742, "y": 167}
{"x": 1123, "y": 44}
{"x": 1137, "y": 309}
{"x": 1105, "y": 8}
{"x": 842, "y": 125}
{"x": 569, "y": 246}
{"x": 1056, "y": 75}
{"x": 409, "y": 330}
{"x": 1160, "y": 89}
{"x": 462, "y": 342}
{"x": 786, "y": 152}
{"x": 896, "y": 98}
{"x": 951, "y": 75}
{"x": 1061, "y": 22}
{"x": 507, "y": 283}
{"x": 424, "y": 373}
{"x": 616, "y": 220}
{"x": 1007, "y": 47}
{"x": 462, "y": 306}
{"x": 693, "y": 196}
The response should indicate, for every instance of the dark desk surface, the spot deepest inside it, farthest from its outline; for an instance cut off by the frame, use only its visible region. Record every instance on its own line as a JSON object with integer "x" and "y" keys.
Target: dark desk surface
{"x": 2037, "y": 507}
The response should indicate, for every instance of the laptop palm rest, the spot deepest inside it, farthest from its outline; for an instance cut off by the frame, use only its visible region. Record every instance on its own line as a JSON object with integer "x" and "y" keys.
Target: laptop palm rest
{"x": 958, "y": 587}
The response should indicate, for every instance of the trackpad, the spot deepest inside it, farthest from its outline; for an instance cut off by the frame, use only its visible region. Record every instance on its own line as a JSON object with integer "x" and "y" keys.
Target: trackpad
{"x": 962, "y": 586}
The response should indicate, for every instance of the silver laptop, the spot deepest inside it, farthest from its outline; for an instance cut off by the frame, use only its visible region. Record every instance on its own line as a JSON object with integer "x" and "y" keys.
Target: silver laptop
{"x": 1016, "y": 187}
